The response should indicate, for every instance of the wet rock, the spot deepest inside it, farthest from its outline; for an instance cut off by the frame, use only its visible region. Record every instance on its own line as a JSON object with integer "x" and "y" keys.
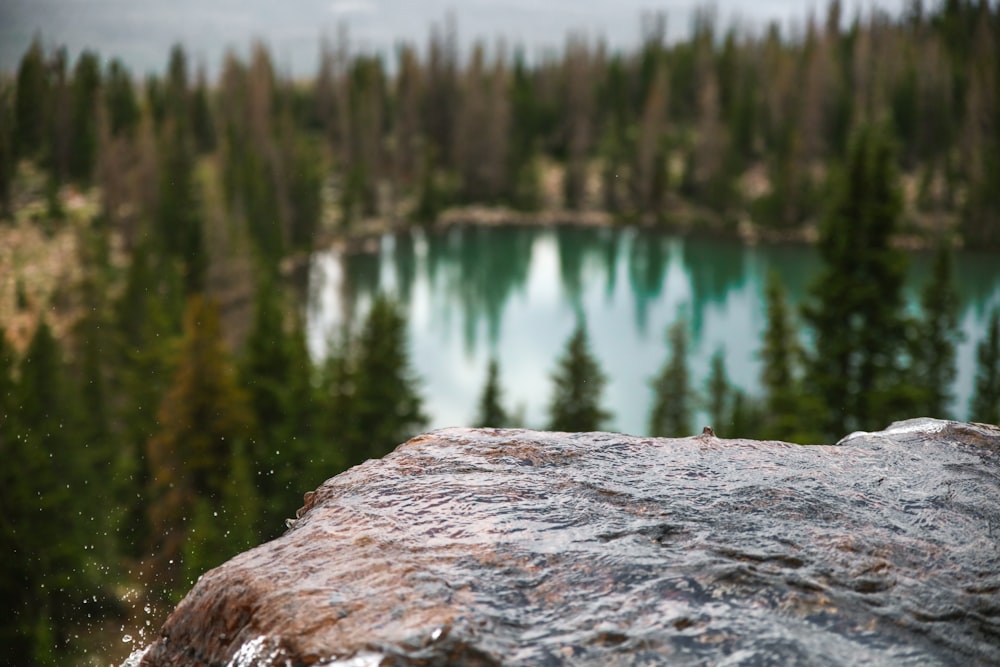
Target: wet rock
{"x": 486, "y": 547}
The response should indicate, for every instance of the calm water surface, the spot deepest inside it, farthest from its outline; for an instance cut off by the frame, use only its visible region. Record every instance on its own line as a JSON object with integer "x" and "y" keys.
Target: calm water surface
{"x": 516, "y": 293}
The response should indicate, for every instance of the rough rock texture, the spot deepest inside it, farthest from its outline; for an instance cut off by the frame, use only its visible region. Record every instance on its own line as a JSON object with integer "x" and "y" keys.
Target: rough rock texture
{"x": 487, "y": 547}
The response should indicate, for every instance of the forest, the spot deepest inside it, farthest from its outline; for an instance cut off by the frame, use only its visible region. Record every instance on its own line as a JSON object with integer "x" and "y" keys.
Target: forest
{"x": 159, "y": 410}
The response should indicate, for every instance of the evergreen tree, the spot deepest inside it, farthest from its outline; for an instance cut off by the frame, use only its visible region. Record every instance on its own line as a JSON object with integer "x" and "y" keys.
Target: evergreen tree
{"x": 8, "y": 163}
{"x": 387, "y": 405}
{"x": 718, "y": 391}
{"x": 986, "y": 400}
{"x": 50, "y": 469}
{"x": 337, "y": 427}
{"x": 277, "y": 375}
{"x": 578, "y": 384}
{"x": 16, "y": 573}
{"x": 938, "y": 335}
{"x": 178, "y": 217}
{"x": 148, "y": 317}
{"x": 202, "y": 417}
{"x": 221, "y": 528}
{"x": 83, "y": 118}
{"x": 787, "y": 413}
{"x": 673, "y": 398}
{"x": 857, "y": 310}
{"x": 31, "y": 103}
{"x": 119, "y": 98}
{"x": 491, "y": 410}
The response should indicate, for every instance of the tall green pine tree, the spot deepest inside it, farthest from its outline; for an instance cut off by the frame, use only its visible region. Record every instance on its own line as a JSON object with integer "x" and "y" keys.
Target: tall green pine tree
{"x": 491, "y": 410}
{"x": 856, "y": 314}
{"x": 718, "y": 391}
{"x": 387, "y": 405}
{"x": 83, "y": 119}
{"x": 937, "y": 337}
{"x": 202, "y": 417}
{"x": 578, "y": 383}
{"x": 986, "y": 400}
{"x": 673, "y": 399}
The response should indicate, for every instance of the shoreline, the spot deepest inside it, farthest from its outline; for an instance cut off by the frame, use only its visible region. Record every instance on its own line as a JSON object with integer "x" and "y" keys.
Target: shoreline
{"x": 361, "y": 237}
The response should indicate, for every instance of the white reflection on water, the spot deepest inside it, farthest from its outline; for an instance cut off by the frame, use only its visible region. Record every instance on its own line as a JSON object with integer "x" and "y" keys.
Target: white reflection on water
{"x": 518, "y": 294}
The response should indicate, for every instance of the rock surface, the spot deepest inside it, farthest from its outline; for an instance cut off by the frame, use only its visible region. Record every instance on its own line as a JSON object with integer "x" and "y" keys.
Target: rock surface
{"x": 486, "y": 547}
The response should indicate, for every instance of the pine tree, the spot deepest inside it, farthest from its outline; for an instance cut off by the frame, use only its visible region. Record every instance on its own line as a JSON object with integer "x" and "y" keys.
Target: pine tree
{"x": 31, "y": 103}
{"x": 718, "y": 391}
{"x": 8, "y": 162}
{"x": 337, "y": 421}
{"x": 277, "y": 375}
{"x": 986, "y": 401}
{"x": 148, "y": 317}
{"x": 51, "y": 470}
{"x": 83, "y": 120}
{"x": 119, "y": 98}
{"x": 178, "y": 216}
{"x": 491, "y": 410}
{"x": 578, "y": 384}
{"x": 788, "y": 414}
{"x": 856, "y": 313}
{"x": 201, "y": 418}
{"x": 938, "y": 334}
{"x": 387, "y": 404}
{"x": 673, "y": 398}
{"x": 17, "y": 574}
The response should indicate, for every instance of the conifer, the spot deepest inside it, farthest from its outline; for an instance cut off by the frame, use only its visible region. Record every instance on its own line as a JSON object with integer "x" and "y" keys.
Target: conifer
{"x": 578, "y": 383}
{"x": 31, "y": 102}
{"x": 856, "y": 312}
{"x": 201, "y": 418}
{"x": 491, "y": 410}
{"x": 671, "y": 414}
{"x": 937, "y": 336}
{"x": 387, "y": 404}
{"x": 83, "y": 121}
{"x": 986, "y": 400}
{"x": 718, "y": 391}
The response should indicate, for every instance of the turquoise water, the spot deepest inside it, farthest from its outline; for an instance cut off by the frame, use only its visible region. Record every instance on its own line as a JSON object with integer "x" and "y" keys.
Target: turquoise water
{"x": 517, "y": 293}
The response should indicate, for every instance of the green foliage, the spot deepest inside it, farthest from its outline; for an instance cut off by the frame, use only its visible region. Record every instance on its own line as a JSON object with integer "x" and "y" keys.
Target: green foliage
{"x": 673, "y": 397}
{"x": 718, "y": 391}
{"x": 178, "y": 218}
{"x": 47, "y": 469}
{"x": 119, "y": 99}
{"x": 306, "y": 180}
{"x": 856, "y": 313}
{"x": 578, "y": 383}
{"x": 285, "y": 455}
{"x": 223, "y": 527}
{"x": 83, "y": 120}
{"x": 387, "y": 406}
{"x": 202, "y": 417}
{"x": 31, "y": 103}
{"x": 789, "y": 413}
{"x": 8, "y": 161}
{"x": 986, "y": 400}
{"x": 937, "y": 336}
{"x": 430, "y": 196}
{"x": 491, "y": 411}
{"x": 369, "y": 392}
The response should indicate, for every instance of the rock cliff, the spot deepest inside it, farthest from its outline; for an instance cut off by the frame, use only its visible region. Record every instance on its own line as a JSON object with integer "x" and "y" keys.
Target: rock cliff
{"x": 486, "y": 547}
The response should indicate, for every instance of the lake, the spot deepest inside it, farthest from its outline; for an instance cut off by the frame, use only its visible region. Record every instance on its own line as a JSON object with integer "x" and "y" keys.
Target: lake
{"x": 516, "y": 293}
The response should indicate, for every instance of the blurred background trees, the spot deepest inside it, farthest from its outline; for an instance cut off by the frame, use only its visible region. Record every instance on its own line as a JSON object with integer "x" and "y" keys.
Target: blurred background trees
{"x": 181, "y": 416}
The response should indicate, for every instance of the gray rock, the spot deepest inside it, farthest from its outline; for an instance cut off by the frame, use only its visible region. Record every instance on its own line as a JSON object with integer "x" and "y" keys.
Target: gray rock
{"x": 486, "y": 547}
